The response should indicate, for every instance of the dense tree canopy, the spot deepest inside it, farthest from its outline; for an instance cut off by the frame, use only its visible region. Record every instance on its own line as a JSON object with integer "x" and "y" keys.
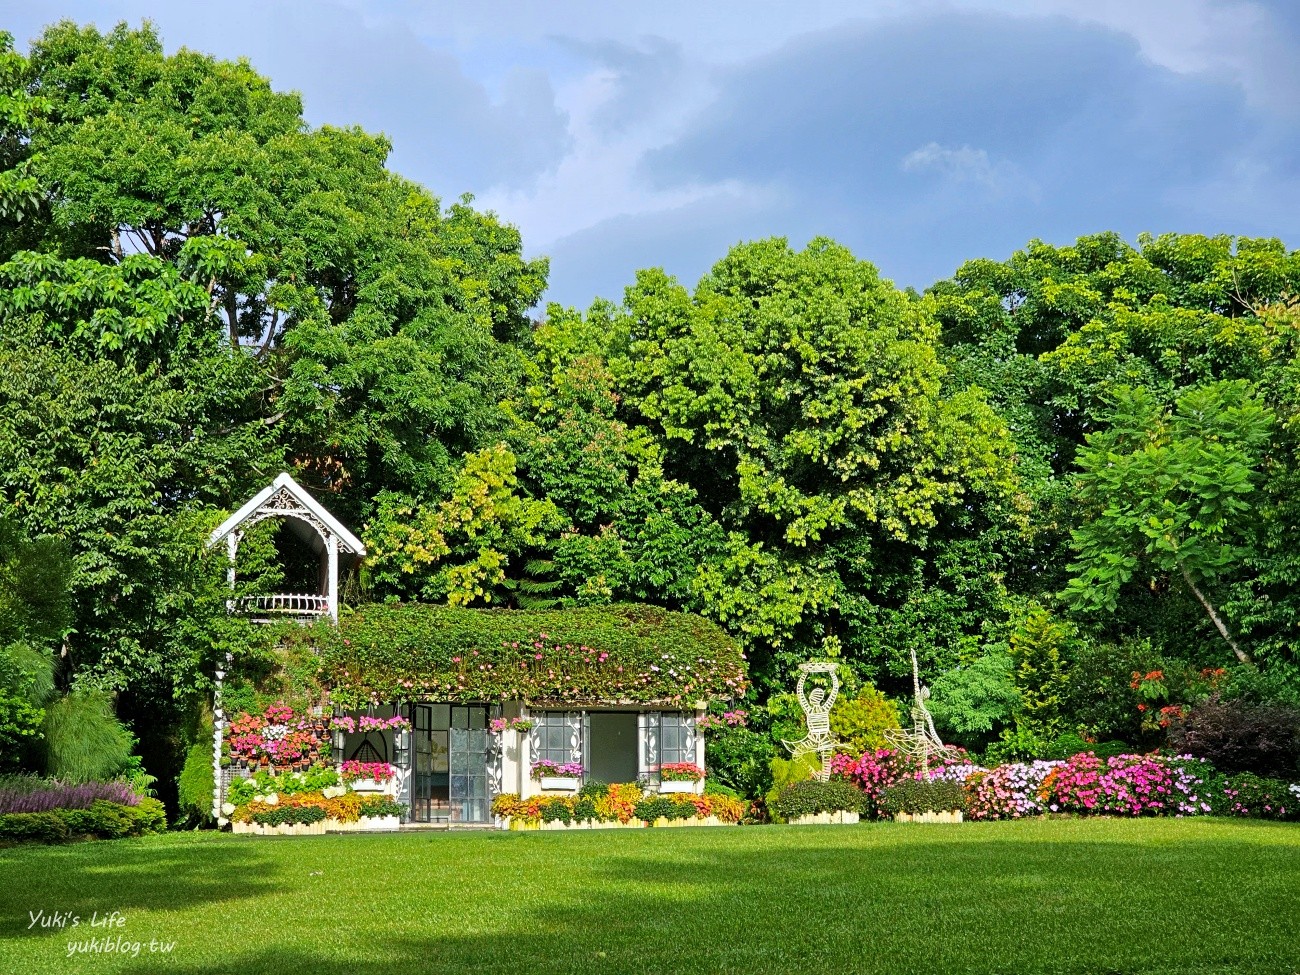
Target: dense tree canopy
{"x": 1050, "y": 476}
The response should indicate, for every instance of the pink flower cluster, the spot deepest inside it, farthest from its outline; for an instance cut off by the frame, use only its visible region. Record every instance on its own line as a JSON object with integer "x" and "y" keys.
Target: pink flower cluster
{"x": 717, "y": 722}
{"x": 680, "y": 772}
{"x": 498, "y": 725}
{"x": 563, "y": 769}
{"x": 352, "y": 771}
{"x": 365, "y": 723}
{"x": 1008, "y": 791}
{"x": 1125, "y": 785}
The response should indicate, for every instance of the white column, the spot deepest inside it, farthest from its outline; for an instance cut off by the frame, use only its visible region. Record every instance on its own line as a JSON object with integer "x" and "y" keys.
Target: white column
{"x": 333, "y": 545}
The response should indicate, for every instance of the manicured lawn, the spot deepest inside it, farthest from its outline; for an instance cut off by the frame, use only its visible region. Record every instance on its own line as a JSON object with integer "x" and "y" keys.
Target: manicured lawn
{"x": 1076, "y": 896}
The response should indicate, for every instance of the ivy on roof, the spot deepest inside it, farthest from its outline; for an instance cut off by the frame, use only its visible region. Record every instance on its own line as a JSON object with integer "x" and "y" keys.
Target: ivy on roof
{"x": 592, "y": 655}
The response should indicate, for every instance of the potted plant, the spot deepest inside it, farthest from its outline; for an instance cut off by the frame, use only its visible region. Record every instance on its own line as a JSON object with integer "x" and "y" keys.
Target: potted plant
{"x": 679, "y": 776}
{"x": 558, "y": 776}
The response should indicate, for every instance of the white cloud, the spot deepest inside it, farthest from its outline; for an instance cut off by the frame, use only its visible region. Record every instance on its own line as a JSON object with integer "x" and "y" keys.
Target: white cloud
{"x": 963, "y": 164}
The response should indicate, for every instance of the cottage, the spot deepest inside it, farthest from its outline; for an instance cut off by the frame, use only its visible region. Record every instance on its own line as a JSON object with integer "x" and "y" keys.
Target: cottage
{"x": 463, "y": 704}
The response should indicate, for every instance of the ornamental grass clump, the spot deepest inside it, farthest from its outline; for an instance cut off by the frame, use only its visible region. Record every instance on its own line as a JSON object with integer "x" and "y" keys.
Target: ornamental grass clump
{"x": 1008, "y": 791}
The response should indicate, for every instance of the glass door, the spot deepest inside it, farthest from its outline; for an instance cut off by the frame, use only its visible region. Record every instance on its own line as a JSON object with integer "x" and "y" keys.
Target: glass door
{"x": 469, "y": 798}
{"x": 430, "y": 772}
{"x": 449, "y": 774}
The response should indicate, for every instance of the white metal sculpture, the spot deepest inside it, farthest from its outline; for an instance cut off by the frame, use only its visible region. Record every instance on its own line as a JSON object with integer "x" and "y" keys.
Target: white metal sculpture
{"x": 922, "y": 741}
{"x": 817, "y": 715}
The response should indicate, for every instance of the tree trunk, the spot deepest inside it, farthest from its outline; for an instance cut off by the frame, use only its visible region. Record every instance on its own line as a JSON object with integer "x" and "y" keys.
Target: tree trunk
{"x": 1218, "y": 621}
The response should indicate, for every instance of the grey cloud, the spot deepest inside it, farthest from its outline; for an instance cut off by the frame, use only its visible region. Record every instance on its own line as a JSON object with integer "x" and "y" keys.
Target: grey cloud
{"x": 1015, "y": 127}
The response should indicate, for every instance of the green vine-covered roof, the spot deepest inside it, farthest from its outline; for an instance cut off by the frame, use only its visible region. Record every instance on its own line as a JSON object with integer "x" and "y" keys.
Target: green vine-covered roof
{"x": 592, "y": 655}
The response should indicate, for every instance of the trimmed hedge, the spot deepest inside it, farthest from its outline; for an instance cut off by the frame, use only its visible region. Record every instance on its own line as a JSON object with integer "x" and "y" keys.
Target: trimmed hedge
{"x": 911, "y": 795}
{"x": 813, "y": 796}
{"x": 103, "y": 820}
{"x": 625, "y": 653}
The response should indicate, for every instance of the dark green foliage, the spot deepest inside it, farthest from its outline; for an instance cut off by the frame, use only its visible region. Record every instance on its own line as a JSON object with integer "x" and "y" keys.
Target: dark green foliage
{"x": 584, "y": 809}
{"x": 557, "y": 812}
{"x": 631, "y": 653}
{"x": 1260, "y": 798}
{"x": 289, "y": 815}
{"x": 196, "y": 783}
{"x": 741, "y": 758}
{"x": 1099, "y": 701}
{"x": 1238, "y": 736}
{"x": 663, "y": 807}
{"x": 812, "y": 796}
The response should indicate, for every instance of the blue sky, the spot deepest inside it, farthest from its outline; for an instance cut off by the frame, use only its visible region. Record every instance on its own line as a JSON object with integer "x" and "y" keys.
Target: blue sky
{"x": 618, "y": 136}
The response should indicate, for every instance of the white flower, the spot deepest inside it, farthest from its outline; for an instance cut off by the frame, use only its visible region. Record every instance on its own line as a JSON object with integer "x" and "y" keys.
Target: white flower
{"x": 227, "y": 809}
{"x": 270, "y": 799}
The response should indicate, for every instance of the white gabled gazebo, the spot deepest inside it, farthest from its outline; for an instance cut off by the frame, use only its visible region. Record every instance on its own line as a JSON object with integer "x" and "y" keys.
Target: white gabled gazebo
{"x": 287, "y": 499}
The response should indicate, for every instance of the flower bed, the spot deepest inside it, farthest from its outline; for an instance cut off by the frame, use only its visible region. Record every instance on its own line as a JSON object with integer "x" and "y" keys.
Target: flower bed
{"x": 1082, "y": 784}
{"x": 38, "y": 810}
{"x": 615, "y": 805}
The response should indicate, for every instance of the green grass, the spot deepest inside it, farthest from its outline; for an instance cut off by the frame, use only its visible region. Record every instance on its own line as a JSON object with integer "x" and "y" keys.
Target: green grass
{"x": 1067, "y": 896}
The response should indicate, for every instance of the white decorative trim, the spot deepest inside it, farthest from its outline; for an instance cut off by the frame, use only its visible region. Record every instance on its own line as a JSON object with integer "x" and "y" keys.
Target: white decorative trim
{"x": 286, "y": 498}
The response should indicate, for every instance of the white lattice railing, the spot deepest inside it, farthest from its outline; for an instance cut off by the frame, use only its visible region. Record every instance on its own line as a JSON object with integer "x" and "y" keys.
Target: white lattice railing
{"x": 286, "y": 604}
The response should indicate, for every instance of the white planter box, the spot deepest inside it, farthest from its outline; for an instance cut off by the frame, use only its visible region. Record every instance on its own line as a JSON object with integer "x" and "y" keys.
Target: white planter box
{"x": 825, "y": 819}
{"x": 677, "y": 786}
{"x": 930, "y": 816}
{"x": 560, "y": 783}
{"x": 371, "y": 786}
{"x": 379, "y": 823}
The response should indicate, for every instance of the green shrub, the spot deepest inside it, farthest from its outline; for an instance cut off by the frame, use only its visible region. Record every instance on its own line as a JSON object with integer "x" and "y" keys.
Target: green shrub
{"x": 975, "y": 701}
{"x": 196, "y": 784}
{"x": 741, "y": 758}
{"x": 911, "y": 795}
{"x": 861, "y": 722}
{"x": 593, "y": 790}
{"x": 1016, "y": 745}
{"x": 584, "y": 808}
{"x": 109, "y": 820}
{"x": 42, "y": 827}
{"x": 655, "y": 807}
{"x": 813, "y": 796}
{"x": 381, "y": 806}
{"x": 712, "y": 788}
{"x": 150, "y": 816}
